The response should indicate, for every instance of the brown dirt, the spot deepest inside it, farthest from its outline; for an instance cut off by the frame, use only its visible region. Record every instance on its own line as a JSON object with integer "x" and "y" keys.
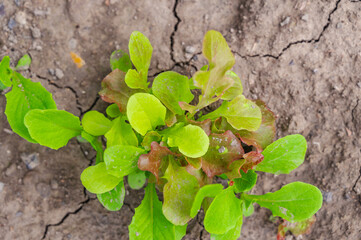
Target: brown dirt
{"x": 308, "y": 71}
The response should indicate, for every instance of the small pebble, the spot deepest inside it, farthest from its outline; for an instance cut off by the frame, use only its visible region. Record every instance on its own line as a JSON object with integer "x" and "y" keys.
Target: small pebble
{"x": 51, "y": 71}
{"x": 315, "y": 71}
{"x": 31, "y": 160}
{"x": 43, "y": 189}
{"x": 286, "y": 21}
{"x": 8, "y": 131}
{"x": 17, "y": 2}
{"x": 327, "y": 196}
{"x": 54, "y": 184}
{"x": 72, "y": 43}
{"x": 359, "y": 84}
{"x": 35, "y": 32}
{"x": 1, "y": 186}
{"x": 339, "y": 25}
{"x": 20, "y": 17}
{"x": 19, "y": 214}
{"x": 2, "y": 10}
{"x": 11, "y": 23}
{"x": 59, "y": 73}
{"x": 39, "y": 12}
{"x": 190, "y": 49}
{"x": 292, "y": 63}
{"x": 304, "y": 18}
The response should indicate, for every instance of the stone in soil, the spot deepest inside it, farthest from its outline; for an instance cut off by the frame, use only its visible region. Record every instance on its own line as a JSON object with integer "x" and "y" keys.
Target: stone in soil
{"x": 31, "y": 160}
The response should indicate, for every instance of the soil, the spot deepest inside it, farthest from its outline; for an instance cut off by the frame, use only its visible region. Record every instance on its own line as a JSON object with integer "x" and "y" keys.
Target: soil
{"x": 301, "y": 57}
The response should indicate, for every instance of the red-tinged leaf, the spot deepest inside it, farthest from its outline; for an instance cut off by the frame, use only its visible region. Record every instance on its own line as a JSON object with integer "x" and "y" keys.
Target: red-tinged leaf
{"x": 235, "y": 168}
{"x": 194, "y": 162}
{"x": 252, "y": 159}
{"x": 265, "y": 134}
{"x": 115, "y": 90}
{"x": 205, "y": 125}
{"x": 223, "y": 150}
{"x": 156, "y": 161}
{"x": 296, "y": 228}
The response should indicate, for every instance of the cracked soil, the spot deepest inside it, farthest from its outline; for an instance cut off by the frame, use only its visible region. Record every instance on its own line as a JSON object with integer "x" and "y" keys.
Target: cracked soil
{"x": 303, "y": 58}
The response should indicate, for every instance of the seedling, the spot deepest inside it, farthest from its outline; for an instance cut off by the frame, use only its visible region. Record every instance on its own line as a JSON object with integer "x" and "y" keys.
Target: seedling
{"x": 153, "y": 134}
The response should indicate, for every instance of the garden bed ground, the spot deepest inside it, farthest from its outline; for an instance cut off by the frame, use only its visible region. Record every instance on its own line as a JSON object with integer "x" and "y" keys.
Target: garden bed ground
{"x": 301, "y": 57}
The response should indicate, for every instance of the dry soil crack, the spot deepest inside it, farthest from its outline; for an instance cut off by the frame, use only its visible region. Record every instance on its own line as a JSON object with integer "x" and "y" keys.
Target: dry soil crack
{"x": 312, "y": 40}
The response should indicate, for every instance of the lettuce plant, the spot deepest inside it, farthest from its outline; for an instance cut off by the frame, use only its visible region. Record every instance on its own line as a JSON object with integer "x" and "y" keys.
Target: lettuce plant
{"x": 158, "y": 133}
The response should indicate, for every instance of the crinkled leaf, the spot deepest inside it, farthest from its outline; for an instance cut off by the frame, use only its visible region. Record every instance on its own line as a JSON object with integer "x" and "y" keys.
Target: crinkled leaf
{"x": 97, "y": 180}
{"x": 121, "y": 160}
{"x": 150, "y": 137}
{"x": 120, "y": 60}
{"x": 194, "y": 162}
{"x": 5, "y": 72}
{"x": 23, "y": 63}
{"x": 113, "y": 111}
{"x": 96, "y": 123}
{"x": 96, "y": 143}
{"x": 121, "y": 133}
{"x": 211, "y": 190}
{"x": 136, "y": 180}
{"x": 135, "y": 80}
{"x": 52, "y": 128}
{"x": 232, "y": 234}
{"x": 145, "y": 112}
{"x": 171, "y": 88}
{"x": 265, "y": 134}
{"x": 294, "y": 202}
{"x": 241, "y": 113}
{"x": 25, "y": 96}
{"x": 251, "y": 160}
{"x": 179, "y": 194}
{"x": 223, "y": 150}
{"x": 246, "y": 182}
{"x": 191, "y": 140}
{"x": 155, "y": 161}
{"x": 223, "y": 213}
{"x": 297, "y": 228}
{"x": 236, "y": 89}
{"x": 140, "y": 51}
{"x": 149, "y": 222}
{"x": 235, "y": 169}
{"x": 115, "y": 90}
{"x": 284, "y": 155}
{"x": 114, "y": 199}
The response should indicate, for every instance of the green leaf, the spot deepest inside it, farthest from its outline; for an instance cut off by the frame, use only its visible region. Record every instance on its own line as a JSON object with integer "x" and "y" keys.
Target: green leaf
{"x": 120, "y": 160}
{"x": 211, "y": 190}
{"x": 5, "y": 72}
{"x": 52, "y": 128}
{"x": 97, "y": 180}
{"x": 246, "y": 182}
{"x": 236, "y": 89}
{"x": 150, "y": 137}
{"x": 232, "y": 234}
{"x": 145, "y": 112}
{"x": 247, "y": 211}
{"x": 136, "y": 180}
{"x": 294, "y": 202}
{"x": 25, "y": 96}
{"x": 223, "y": 150}
{"x": 223, "y": 213}
{"x": 140, "y": 51}
{"x": 179, "y": 193}
{"x": 113, "y": 111}
{"x": 171, "y": 88}
{"x": 121, "y": 133}
{"x": 241, "y": 113}
{"x": 2, "y": 86}
{"x": 149, "y": 223}
{"x": 114, "y": 199}
{"x": 23, "y": 63}
{"x": 115, "y": 90}
{"x": 191, "y": 140}
{"x": 135, "y": 80}
{"x": 120, "y": 60}
{"x": 284, "y": 155}
{"x": 96, "y": 144}
{"x": 96, "y": 123}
